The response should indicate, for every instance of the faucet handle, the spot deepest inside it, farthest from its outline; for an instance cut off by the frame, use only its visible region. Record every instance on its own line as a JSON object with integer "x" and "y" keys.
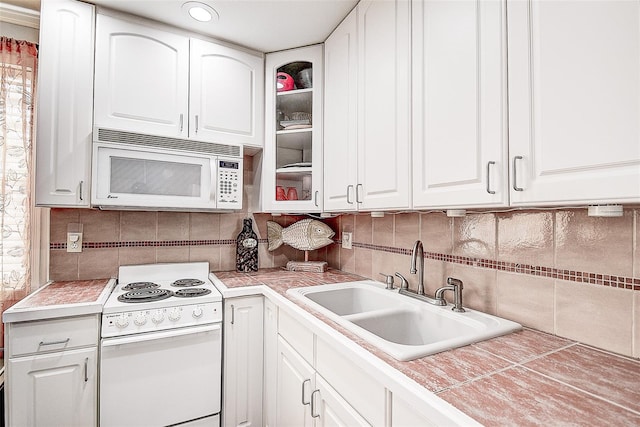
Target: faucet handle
{"x": 388, "y": 280}
{"x": 404, "y": 284}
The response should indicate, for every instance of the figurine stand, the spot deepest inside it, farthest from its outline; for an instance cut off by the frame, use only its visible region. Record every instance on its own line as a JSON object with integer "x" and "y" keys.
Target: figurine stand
{"x": 306, "y": 265}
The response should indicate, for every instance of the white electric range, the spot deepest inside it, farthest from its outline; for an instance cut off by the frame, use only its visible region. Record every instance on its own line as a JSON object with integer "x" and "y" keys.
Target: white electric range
{"x": 161, "y": 347}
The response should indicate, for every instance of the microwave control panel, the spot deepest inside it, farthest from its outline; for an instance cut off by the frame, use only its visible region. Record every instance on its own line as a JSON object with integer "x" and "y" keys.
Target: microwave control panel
{"x": 229, "y": 183}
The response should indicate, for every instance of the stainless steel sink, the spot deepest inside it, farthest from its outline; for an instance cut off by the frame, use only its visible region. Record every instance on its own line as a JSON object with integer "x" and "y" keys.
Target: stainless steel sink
{"x": 403, "y": 327}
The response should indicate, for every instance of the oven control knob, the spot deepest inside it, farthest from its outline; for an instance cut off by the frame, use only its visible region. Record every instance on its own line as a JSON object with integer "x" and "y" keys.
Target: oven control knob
{"x": 157, "y": 316}
{"x": 140, "y": 319}
{"x": 197, "y": 312}
{"x": 174, "y": 315}
{"x": 122, "y": 321}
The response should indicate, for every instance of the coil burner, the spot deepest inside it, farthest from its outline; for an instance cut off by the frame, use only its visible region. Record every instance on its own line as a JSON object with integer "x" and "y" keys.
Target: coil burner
{"x": 184, "y": 283}
{"x": 191, "y": 292}
{"x": 145, "y": 295}
{"x": 136, "y": 286}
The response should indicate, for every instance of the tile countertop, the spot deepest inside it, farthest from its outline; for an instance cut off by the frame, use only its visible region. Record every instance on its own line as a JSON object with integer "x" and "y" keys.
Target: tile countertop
{"x": 61, "y": 299}
{"x": 524, "y": 378}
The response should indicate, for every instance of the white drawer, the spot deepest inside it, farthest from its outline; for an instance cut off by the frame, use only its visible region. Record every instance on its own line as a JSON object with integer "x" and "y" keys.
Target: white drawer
{"x": 52, "y": 335}
{"x": 299, "y": 337}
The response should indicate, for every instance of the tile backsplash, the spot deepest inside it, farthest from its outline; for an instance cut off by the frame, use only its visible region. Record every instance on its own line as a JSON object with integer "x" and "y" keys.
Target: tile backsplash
{"x": 558, "y": 271}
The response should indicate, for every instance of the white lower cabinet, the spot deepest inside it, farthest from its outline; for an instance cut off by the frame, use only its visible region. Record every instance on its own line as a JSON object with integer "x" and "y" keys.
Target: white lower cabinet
{"x": 295, "y": 382}
{"x": 51, "y": 377}
{"x": 55, "y": 389}
{"x": 270, "y": 363}
{"x": 306, "y": 397}
{"x": 243, "y": 361}
{"x": 330, "y": 409}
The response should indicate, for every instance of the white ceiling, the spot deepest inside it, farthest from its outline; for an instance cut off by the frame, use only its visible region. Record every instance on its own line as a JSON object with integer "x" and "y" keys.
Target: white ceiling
{"x": 263, "y": 25}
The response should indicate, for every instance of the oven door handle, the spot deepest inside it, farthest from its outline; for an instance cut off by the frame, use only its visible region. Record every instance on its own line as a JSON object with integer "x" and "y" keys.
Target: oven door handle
{"x": 152, "y": 336}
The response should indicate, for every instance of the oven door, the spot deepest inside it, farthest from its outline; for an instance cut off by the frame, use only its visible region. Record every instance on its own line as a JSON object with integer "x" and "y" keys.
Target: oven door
{"x": 161, "y": 378}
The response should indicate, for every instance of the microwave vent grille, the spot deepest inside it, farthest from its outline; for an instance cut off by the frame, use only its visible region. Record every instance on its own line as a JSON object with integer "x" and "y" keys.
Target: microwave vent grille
{"x": 122, "y": 137}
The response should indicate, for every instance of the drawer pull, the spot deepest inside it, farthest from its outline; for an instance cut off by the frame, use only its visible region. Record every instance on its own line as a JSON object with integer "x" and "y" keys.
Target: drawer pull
{"x": 314, "y": 414}
{"x": 42, "y": 343}
{"x": 303, "y": 383}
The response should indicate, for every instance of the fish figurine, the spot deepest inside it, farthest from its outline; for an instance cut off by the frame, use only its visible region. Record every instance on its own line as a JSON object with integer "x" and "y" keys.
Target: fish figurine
{"x": 305, "y": 235}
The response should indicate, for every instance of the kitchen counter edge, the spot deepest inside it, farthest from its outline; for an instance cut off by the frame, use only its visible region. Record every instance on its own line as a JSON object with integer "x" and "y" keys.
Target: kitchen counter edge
{"x": 18, "y": 313}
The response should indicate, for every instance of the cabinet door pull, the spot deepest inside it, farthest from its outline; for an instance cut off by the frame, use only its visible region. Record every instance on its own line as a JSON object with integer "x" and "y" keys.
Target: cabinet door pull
{"x": 315, "y": 198}
{"x": 233, "y": 314}
{"x": 358, "y": 187}
{"x": 349, "y": 190}
{"x": 313, "y": 404}
{"x": 515, "y": 173}
{"x": 489, "y": 190}
{"x": 196, "y": 123}
{"x": 86, "y": 369}
{"x": 43, "y": 343}
{"x": 303, "y": 383}
{"x": 80, "y": 191}
{"x": 181, "y": 122}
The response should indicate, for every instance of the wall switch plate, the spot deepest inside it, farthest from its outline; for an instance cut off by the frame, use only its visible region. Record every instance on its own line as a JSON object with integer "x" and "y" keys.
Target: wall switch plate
{"x": 347, "y": 240}
{"x": 74, "y": 242}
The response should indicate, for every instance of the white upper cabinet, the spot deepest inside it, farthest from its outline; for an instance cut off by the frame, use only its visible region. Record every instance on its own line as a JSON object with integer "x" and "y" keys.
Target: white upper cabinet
{"x": 157, "y": 82}
{"x": 340, "y": 115}
{"x": 292, "y": 161}
{"x": 574, "y": 101}
{"x": 368, "y": 109}
{"x": 65, "y": 104}
{"x": 226, "y": 95}
{"x": 384, "y": 105}
{"x": 459, "y": 88}
{"x": 142, "y": 78}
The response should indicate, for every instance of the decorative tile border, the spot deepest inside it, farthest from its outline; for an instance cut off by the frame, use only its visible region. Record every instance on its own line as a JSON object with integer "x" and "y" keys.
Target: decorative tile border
{"x": 150, "y": 243}
{"x": 512, "y": 267}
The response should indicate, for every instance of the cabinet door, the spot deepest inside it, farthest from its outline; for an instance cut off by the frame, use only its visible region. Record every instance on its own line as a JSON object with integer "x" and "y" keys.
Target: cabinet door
{"x": 142, "y": 78}
{"x": 270, "y": 362}
{"x": 384, "y": 69}
{"x": 330, "y": 409}
{"x": 340, "y": 117}
{"x": 295, "y": 384}
{"x": 55, "y": 389}
{"x": 243, "y": 361}
{"x": 574, "y": 101}
{"x": 459, "y": 104}
{"x": 225, "y": 95}
{"x": 65, "y": 107}
{"x": 292, "y": 162}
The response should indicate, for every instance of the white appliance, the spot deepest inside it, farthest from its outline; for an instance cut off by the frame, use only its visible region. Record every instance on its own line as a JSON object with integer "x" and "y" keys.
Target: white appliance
{"x": 132, "y": 170}
{"x": 161, "y": 348}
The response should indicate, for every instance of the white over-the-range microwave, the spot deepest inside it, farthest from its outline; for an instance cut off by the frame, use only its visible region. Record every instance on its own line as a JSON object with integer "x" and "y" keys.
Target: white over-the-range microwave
{"x": 137, "y": 171}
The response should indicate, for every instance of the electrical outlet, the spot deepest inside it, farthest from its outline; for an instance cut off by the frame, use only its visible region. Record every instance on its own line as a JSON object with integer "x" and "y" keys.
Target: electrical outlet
{"x": 347, "y": 240}
{"x": 74, "y": 242}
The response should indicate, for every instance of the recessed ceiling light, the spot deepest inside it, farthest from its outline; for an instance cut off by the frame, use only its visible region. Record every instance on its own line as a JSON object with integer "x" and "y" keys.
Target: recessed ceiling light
{"x": 200, "y": 12}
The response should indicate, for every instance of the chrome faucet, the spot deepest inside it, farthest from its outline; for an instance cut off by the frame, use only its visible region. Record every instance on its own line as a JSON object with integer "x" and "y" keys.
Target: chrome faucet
{"x": 418, "y": 249}
{"x": 455, "y": 286}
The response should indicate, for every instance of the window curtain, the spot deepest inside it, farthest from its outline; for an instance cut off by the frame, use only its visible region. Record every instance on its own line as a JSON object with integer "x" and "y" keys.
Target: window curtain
{"x": 18, "y": 67}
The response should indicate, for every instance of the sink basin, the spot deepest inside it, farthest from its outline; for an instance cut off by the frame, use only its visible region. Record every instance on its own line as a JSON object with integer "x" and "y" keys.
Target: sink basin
{"x": 403, "y": 327}
{"x": 349, "y": 300}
